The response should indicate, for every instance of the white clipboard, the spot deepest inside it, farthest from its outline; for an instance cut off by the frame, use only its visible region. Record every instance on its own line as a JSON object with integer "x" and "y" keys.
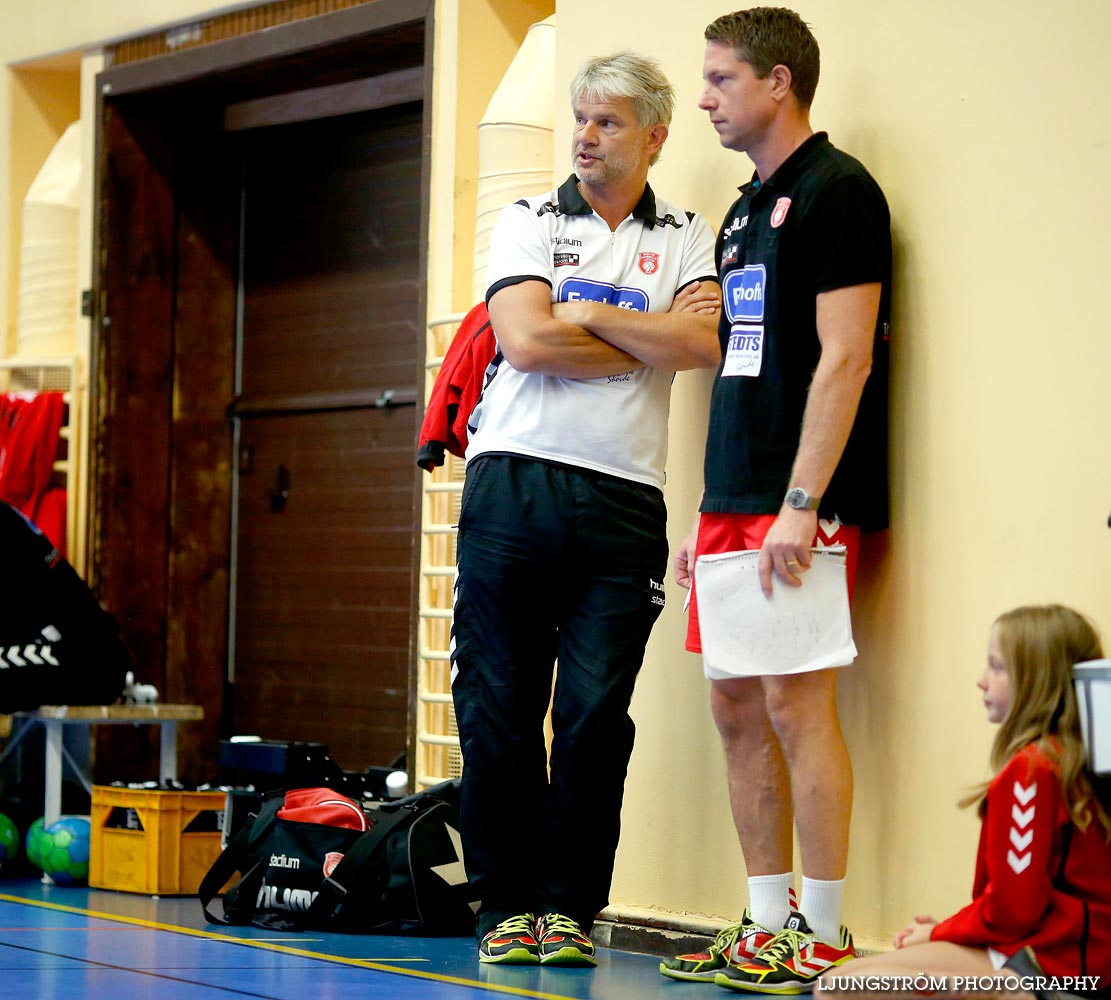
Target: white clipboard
{"x": 797, "y": 629}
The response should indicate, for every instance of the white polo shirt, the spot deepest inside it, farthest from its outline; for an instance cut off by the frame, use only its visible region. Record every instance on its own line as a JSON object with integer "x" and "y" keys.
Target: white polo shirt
{"x": 616, "y": 424}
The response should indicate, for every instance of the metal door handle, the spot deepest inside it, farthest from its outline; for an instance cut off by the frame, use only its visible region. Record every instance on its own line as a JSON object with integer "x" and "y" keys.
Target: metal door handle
{"x": 279, "y": 492}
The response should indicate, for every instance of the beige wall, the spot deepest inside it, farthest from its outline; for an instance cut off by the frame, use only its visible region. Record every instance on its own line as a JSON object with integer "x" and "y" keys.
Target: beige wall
{"x": 978, "y": 119}
{"x": 43, "y": 103}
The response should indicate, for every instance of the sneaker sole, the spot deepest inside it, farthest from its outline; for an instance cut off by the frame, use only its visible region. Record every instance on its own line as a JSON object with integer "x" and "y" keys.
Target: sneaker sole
{"x": 688, "y": 977}
{"x": 777, "y": 989}
{"x": 568, "y": 956}
{"x": 515, "y": 956}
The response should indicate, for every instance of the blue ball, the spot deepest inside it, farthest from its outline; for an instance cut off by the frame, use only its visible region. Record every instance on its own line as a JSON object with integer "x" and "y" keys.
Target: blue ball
{"x": 64, "y": 850}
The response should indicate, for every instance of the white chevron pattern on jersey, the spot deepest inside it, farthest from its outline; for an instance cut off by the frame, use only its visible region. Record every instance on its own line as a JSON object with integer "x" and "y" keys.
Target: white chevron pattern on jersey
{"x": 34, "y": 654}
{"x": 1020, "y": 859}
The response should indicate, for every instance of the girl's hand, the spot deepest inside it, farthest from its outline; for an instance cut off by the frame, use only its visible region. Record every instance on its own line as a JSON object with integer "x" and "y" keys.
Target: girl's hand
{"x": 917, "y": 933}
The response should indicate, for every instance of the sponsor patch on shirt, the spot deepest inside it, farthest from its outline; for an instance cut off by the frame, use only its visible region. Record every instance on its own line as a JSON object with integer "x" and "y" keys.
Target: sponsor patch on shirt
{"x": 743, "y": 294}
{"x": 625, "y": 297}
{"x": 566, "y": 259}
{"x": 744, "y": 353}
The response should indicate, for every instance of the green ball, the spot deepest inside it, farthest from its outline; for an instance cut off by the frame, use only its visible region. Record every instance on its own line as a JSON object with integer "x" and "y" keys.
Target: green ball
{"x": 64, "y": 850}
{"x": 9, "y": 840}
{"x": 32, "y": 843}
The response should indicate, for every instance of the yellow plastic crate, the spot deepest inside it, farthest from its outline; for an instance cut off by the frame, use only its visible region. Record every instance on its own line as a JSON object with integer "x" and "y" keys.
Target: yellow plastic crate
{"x": 161, "y": 859}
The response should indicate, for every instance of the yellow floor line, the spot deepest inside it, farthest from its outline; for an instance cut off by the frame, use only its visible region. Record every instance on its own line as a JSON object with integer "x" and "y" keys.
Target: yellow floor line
{"x": 286, "y": 949}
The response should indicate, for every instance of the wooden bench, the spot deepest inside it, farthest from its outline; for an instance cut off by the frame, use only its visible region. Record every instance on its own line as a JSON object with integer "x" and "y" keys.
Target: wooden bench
{"x": 54, "y": 718}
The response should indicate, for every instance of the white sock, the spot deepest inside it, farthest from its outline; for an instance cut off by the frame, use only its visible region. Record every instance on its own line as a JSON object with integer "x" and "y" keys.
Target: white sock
{"x": 821, "y": 905}
{"x": 770, "y": 899}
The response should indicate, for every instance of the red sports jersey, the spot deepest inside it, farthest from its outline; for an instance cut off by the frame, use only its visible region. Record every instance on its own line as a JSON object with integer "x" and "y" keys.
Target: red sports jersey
{"x": 1039, "y": 880}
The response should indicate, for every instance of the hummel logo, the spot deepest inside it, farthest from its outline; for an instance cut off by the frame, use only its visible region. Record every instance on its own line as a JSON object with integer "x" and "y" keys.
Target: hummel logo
{"x": 1021, "y": 840}
{"x": 1024, "y": 796}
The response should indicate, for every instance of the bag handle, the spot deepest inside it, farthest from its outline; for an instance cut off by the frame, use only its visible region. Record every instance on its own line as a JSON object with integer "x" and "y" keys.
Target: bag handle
{"x": 333, "y": 890}
{"x": 238, "y": 857}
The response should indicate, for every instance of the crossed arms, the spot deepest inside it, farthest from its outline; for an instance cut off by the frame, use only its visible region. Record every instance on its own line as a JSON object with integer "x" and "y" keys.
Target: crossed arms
{"x": 585, "y": 339}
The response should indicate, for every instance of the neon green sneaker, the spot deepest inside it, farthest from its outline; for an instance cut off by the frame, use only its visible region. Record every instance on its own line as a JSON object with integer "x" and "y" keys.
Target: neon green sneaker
{"x": 563, "y": 942}
{"x": 734, "y": 945}
{"x": 512, "y": 942}
{"x": 791, "y": 962}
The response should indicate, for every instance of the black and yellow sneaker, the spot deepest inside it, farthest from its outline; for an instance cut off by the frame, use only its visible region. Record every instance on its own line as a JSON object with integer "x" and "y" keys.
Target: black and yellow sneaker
{"x": 562, "y": 941}
{"x": 791, "y": 962}
{"x": 733, "y": 945}
{"x": 512, "y": 942}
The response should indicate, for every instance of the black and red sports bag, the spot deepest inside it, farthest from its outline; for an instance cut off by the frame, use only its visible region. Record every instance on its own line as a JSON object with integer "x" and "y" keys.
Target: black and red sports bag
{"x": 314, "y": 859}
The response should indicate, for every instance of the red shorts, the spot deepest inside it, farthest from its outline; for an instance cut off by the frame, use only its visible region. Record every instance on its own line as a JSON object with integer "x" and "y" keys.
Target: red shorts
{"x": 741, "y": 532}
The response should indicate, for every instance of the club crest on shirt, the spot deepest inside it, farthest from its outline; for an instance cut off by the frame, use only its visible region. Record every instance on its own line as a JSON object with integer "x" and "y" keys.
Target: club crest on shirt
{"x": 649, "y": 262}
{"x": 779, "y": 213}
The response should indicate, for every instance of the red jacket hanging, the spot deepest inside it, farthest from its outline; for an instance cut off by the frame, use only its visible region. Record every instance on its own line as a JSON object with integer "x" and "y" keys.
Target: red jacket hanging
{"x": 458, "y": 385}
{"x": 1039, "y": 880}
{"x": 29, "y": 430}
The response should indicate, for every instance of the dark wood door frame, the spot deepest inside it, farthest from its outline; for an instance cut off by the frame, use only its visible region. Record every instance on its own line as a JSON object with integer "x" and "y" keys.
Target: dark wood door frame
{"x": 163, "y": 318}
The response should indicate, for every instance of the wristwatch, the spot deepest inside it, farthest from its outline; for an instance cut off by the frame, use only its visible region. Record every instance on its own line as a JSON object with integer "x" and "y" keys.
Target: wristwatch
{"x": 798, "y": 499}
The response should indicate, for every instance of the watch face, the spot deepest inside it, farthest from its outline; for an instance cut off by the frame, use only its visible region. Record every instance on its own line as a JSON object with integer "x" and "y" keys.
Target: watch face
{"x": 799, "y": 499}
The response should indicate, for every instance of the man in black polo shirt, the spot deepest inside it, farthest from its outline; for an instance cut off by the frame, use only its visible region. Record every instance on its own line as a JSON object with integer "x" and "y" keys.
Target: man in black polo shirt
{"x": 795, "y": 458}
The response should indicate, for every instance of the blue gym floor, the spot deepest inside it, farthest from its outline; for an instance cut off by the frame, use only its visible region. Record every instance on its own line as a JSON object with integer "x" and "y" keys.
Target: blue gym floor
{"x": 57, "y": 943}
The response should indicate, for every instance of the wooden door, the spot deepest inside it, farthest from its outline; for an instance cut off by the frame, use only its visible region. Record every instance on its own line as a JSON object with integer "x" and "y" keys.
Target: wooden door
{"x": 325, "y": 416}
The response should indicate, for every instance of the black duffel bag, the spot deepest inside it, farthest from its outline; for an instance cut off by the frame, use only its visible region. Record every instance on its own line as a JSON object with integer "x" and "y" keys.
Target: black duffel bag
{"x": 403, "y": 874}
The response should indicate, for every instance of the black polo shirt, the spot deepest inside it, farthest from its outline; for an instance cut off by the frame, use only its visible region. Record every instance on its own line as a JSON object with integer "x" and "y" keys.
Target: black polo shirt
{"x": 819, "y": 223}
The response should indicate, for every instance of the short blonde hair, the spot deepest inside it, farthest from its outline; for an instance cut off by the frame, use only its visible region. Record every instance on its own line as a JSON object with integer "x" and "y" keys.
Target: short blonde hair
{"x": 627, "y": 74}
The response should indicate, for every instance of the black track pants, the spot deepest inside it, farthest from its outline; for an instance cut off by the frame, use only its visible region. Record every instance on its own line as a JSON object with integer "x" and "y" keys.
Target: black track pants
{"x": 554, "y": 563}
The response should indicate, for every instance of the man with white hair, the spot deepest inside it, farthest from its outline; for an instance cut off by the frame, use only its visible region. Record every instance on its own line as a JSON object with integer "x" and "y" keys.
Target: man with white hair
{"x": 599, "y": 292}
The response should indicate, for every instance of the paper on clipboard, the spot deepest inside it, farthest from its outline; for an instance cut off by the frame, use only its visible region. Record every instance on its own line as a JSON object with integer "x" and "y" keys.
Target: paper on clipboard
{"x": 745, "y": 634}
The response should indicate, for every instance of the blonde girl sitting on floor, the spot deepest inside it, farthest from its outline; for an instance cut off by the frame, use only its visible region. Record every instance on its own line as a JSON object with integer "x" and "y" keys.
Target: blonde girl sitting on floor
{"x": 1043, "y": 867}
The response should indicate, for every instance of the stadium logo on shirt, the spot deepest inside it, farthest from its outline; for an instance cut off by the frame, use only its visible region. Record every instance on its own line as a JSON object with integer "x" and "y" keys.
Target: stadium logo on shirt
{"x": 779, "y": 213}
{"x": 649, "y": 262}
{"x": 735, "y": 226}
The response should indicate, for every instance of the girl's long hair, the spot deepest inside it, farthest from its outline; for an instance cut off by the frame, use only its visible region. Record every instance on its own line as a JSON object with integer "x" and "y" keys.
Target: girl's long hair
{"x": 1040, "y": 644}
